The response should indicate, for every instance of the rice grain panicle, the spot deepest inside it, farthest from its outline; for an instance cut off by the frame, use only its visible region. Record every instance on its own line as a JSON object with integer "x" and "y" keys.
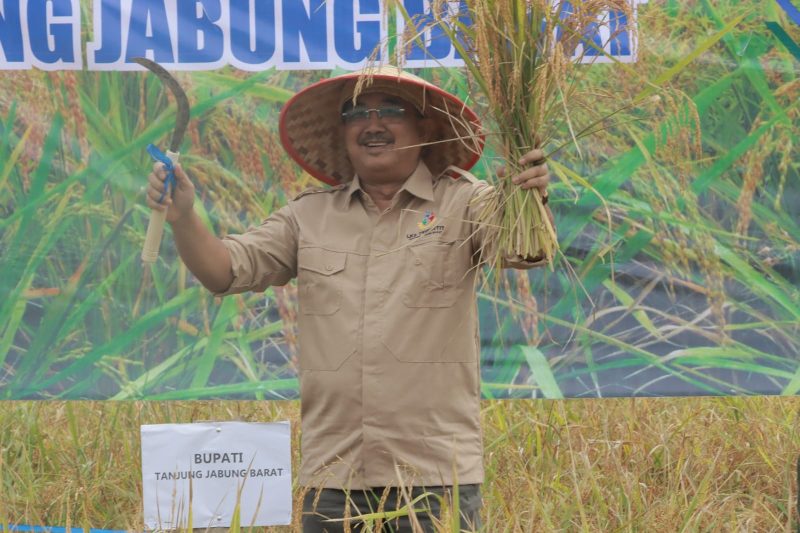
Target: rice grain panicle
{"x": 523, "y": 60}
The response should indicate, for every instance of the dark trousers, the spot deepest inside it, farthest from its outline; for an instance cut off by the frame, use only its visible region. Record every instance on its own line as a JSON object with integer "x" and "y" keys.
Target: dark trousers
{"x": 324, "y": 504}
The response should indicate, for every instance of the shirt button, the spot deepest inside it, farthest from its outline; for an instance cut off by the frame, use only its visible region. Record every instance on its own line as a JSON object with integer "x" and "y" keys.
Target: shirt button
{"x": 328, "y": 267}
{"x": 417, "y": 261}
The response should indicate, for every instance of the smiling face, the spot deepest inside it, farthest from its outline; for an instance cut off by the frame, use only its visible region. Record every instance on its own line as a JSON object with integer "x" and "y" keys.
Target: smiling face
{"x": 384, "y": 149}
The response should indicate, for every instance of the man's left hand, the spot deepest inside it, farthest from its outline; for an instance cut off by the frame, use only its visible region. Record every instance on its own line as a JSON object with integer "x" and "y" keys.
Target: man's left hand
{"x": 536, "y": 175}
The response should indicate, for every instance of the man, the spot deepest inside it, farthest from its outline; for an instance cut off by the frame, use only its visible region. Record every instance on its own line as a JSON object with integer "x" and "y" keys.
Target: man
{"x": 386, "y": 264}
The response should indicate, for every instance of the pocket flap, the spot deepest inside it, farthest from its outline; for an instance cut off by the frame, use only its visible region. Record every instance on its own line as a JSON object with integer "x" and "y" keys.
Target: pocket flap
{"x": 321, "y": 261}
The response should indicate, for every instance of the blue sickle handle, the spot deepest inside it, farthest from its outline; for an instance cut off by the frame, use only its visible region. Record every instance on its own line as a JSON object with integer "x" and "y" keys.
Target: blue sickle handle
{"x": 160, "y": 156}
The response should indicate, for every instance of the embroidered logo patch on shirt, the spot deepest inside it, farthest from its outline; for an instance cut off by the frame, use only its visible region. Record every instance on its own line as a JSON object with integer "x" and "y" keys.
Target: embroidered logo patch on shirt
{"x": 427, "y": 220}
{"x": 426, "y": 227}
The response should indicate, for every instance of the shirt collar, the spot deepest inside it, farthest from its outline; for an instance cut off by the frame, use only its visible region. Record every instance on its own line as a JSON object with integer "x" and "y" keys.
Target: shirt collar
{"x": 353, "y": 187}
{"x": 419, "y": 183}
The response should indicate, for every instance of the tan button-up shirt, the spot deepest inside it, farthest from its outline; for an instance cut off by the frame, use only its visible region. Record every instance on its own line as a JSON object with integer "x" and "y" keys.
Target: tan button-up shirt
{"x": 388, "y": 329}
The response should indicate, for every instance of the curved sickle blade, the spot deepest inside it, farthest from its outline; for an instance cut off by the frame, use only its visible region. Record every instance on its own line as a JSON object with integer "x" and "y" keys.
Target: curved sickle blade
{"x": 182, "y": 116}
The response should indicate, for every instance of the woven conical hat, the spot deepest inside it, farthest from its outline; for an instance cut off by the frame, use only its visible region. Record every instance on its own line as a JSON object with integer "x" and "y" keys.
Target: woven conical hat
{"x": 310, "y": 122}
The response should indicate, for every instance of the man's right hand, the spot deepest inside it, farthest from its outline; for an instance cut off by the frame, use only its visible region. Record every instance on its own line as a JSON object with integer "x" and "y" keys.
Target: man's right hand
{"x": 180, "y": 203}
{"x": 204, "y": 254}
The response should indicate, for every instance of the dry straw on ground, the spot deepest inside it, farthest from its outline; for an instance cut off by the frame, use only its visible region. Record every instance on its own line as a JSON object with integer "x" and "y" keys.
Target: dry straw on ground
{"x": 670, "y": 464}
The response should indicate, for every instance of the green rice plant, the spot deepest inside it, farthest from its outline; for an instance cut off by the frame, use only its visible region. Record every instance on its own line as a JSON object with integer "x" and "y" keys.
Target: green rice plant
{"x": 679, "y": 266}
{"x": 688, "y": 247}
{"x": 75, "y": 321}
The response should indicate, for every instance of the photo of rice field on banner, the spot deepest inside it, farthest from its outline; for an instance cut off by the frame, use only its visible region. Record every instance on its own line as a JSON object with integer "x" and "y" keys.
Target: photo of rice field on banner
{"x": 678, "y": 224}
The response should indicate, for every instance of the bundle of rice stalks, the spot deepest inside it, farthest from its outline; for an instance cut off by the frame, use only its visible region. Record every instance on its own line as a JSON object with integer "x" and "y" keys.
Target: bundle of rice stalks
{"x": 523, "y": 58}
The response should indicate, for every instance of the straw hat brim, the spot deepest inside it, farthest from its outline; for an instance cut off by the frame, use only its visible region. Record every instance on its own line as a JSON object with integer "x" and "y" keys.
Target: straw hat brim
{"x": 310, "y": 122}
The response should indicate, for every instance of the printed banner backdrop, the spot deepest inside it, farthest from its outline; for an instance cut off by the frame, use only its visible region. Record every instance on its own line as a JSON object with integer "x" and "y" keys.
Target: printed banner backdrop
{"x": 679, "y": 225}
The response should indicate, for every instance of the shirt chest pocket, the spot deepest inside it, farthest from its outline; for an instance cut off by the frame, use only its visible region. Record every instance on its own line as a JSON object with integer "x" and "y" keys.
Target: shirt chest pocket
{"x": 432, "y": 278}
{"x": 319, "y": 283}
{"x": 424, "y": 321}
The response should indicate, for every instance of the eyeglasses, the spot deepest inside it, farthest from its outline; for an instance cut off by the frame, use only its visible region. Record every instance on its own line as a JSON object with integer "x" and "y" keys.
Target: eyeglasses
{"x": 362, "y": 114}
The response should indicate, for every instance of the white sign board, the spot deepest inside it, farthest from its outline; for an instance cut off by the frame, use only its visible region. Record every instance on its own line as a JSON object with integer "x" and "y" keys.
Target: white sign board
{"x": 209, "y": 468}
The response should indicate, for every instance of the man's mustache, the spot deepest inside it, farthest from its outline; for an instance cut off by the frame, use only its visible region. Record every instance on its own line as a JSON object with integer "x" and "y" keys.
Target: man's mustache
{"x": 376, "y": 138}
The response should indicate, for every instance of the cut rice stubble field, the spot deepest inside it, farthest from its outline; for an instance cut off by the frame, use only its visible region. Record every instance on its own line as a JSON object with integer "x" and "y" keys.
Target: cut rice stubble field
{"x": 670, "y": 464}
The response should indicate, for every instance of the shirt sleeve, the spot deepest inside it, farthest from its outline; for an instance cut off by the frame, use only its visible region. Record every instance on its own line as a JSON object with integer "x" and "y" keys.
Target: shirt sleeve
{"x": 484, "y": 237}
{"x": 264, "y": 255}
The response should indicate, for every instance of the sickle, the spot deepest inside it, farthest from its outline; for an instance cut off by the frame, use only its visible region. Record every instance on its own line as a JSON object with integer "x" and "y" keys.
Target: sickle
{"x": 182, "y": 116}
{"x": 155, "y": 228}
